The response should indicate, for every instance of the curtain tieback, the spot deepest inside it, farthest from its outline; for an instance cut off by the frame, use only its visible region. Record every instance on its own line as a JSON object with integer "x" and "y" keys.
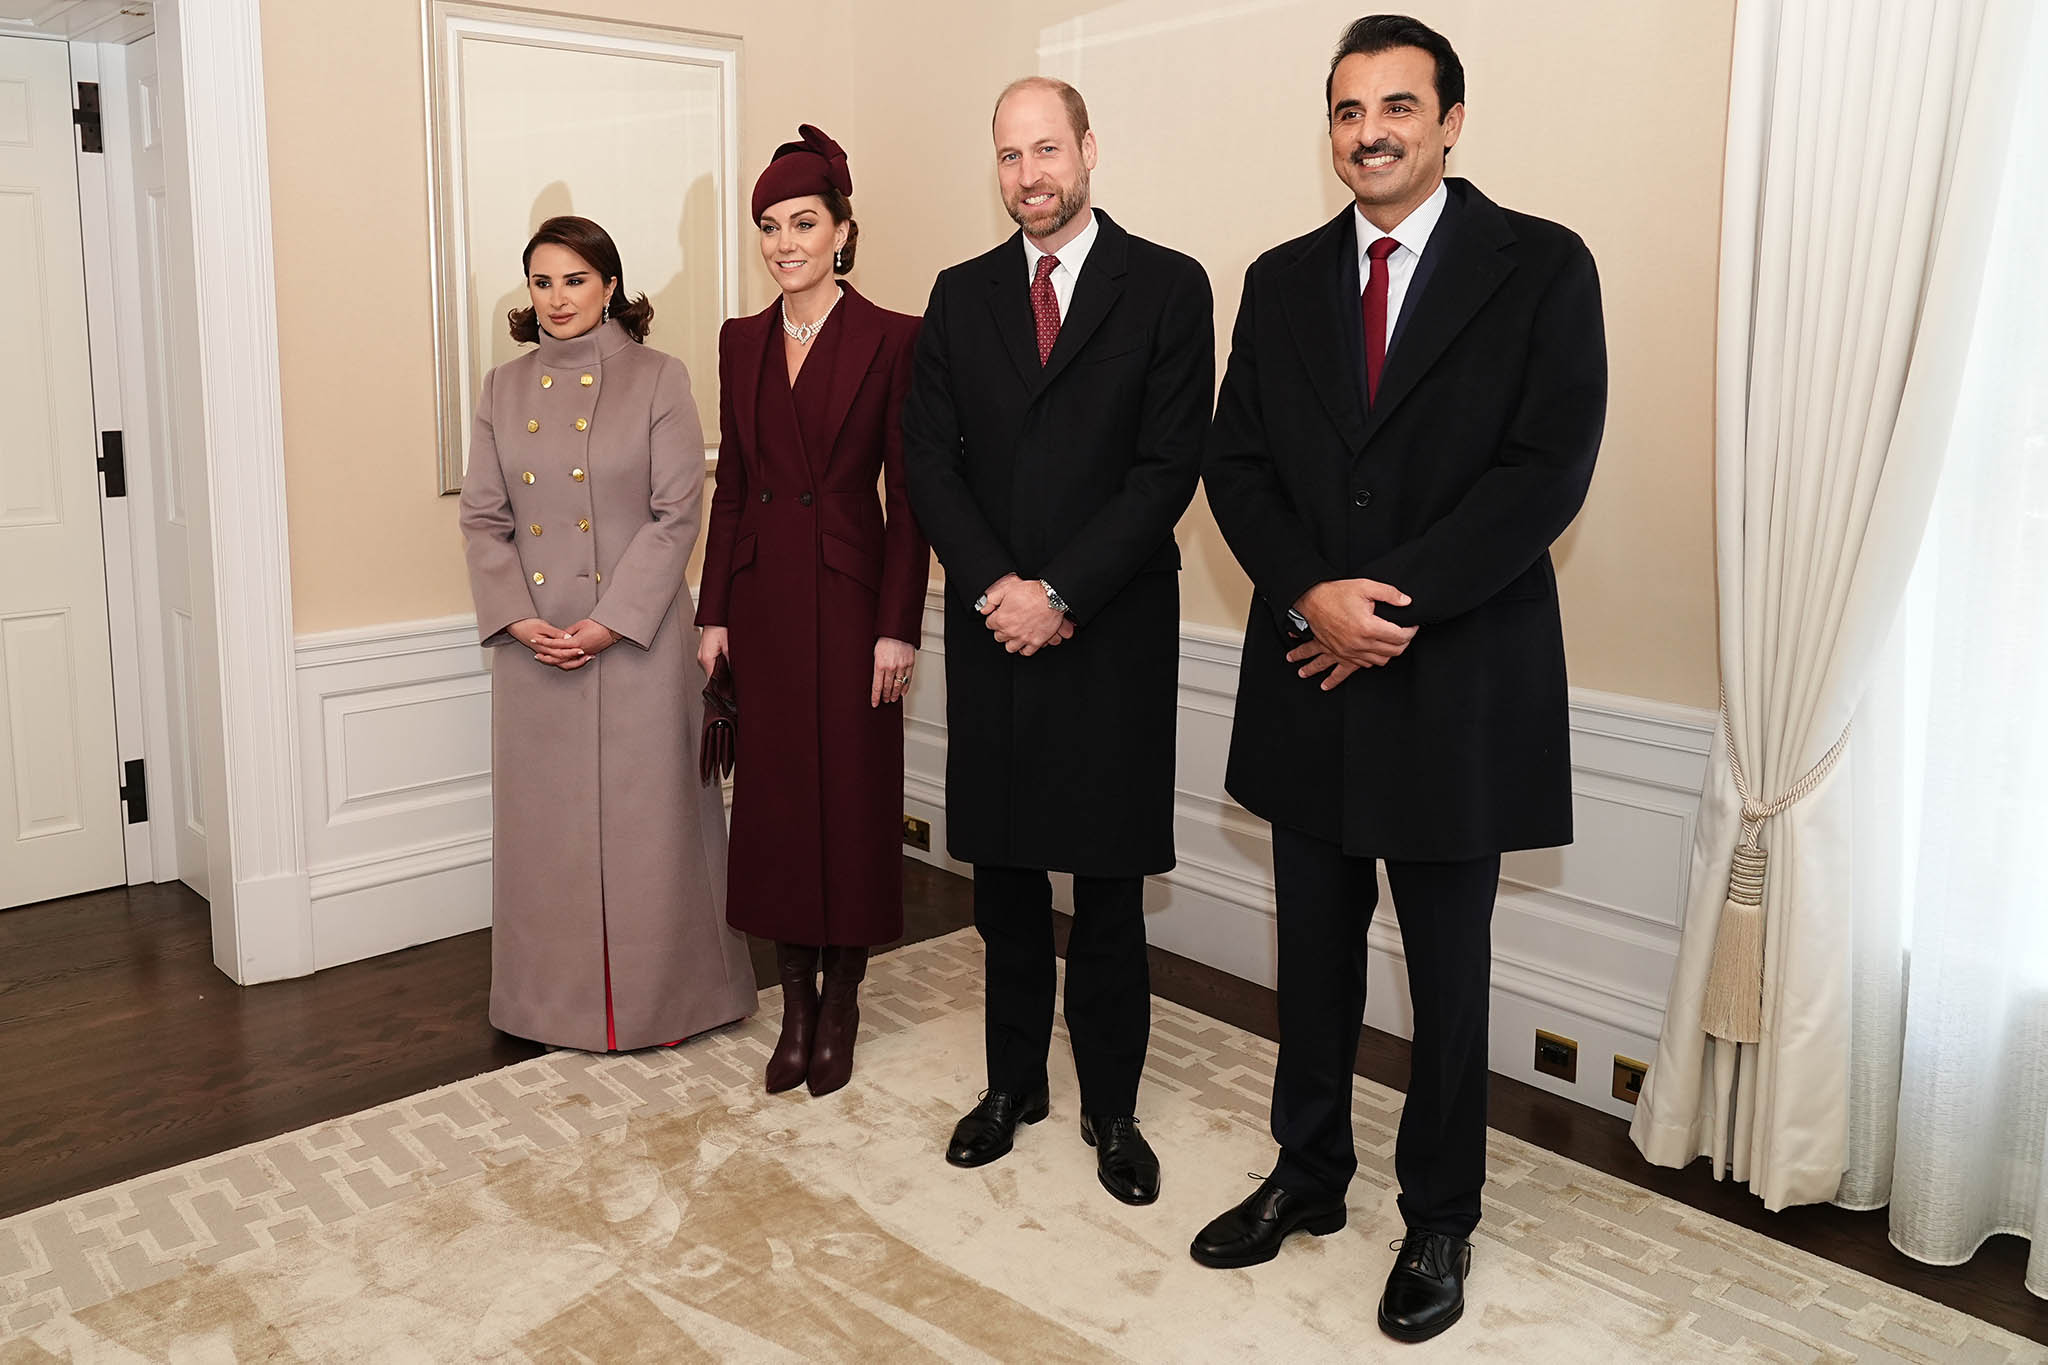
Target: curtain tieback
{"x": 1733, "y": 1008}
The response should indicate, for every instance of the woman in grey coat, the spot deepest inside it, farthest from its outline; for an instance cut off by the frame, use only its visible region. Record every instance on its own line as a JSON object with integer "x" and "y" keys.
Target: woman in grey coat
{"x": 580, "y": 507}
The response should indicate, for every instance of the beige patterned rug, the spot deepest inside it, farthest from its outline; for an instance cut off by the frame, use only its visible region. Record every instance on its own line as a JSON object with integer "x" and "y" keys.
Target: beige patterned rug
{"x": 658, "y": 1207}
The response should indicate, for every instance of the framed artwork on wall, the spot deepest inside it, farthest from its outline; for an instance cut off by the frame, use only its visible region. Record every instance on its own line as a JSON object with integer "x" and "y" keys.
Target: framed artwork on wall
{"x": 531, "y": 115}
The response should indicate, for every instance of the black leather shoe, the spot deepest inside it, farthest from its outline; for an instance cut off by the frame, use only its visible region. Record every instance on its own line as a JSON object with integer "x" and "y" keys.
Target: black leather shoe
{"x": 990, "y": 1128}
{"x": 1252, "y": 1232}
{"x": 1124, "y": 1161}
{"x": 1426, "y": 1290}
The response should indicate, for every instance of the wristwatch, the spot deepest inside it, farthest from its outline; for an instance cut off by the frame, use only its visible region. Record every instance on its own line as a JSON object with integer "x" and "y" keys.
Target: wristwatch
{"x": 1052, "y": 599}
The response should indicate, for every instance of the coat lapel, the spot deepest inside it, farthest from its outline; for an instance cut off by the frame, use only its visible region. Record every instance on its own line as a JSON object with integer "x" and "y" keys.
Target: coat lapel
{"x": 1469, "y": 265}
{"x": 1009, "y": 300}
{"x": 860, "y": 338}
{"x": 1095, "y": 293}
{"x": 751, "y": 335}
{"x": 1322, "y": 312}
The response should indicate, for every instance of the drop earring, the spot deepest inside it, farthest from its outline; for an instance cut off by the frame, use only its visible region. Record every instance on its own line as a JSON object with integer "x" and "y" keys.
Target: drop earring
{"x": 838, "y": 258}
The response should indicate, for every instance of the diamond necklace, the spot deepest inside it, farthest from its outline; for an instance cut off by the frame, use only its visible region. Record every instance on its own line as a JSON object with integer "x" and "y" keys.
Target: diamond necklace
{"x": 802, "y": 332}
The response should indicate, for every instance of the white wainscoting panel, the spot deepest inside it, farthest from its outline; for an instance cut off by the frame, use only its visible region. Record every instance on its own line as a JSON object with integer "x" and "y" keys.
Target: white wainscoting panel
{"x": 397, "y": 797}
{"x": 397, "y": 774}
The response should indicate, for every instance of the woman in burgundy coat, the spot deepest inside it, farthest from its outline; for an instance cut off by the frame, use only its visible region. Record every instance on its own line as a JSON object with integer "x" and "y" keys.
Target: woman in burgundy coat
{"x": 814, "y": 590}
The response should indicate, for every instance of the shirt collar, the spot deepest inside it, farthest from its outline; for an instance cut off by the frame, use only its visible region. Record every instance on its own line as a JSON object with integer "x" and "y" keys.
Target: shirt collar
{"x": 1411, "y": 232}
{"x": 1071, "y": 255}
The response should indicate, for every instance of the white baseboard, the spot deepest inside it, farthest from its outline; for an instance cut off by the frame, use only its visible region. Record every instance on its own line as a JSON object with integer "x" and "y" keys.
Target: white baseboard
{"x": 397, "y": 797}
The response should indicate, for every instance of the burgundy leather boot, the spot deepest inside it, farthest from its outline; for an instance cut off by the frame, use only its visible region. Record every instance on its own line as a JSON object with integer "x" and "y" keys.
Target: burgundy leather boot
{"x": 838, "y": 1019}
{"x": 797, "y": 966}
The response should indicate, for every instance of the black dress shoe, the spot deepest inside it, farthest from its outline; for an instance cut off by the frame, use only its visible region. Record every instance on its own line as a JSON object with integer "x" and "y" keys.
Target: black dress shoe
{"x": 1426, "y": 1290}
{"x": 1124, "y": 1161}
{"x": 1253, "y": 1231}
{"x": 990, "y": 1128}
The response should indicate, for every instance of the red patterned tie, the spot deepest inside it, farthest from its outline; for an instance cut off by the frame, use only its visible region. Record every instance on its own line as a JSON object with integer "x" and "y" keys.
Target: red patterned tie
{"x": 1376, "y": 315}
{"x": 1045, "y": 306}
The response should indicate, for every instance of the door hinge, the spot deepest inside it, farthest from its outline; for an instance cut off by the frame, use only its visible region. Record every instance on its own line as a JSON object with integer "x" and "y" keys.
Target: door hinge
{"x": 113, "y": 464}
{"x": 87, "y": 117}
{"x": 135, "y": 791}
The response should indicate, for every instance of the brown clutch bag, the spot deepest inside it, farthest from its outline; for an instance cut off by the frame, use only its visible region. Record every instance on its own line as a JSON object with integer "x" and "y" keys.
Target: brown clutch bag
{"x": 717, "y": 750}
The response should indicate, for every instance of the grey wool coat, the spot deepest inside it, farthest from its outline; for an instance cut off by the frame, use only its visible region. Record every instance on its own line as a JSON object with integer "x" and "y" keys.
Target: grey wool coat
{"x": 583, "y": 499}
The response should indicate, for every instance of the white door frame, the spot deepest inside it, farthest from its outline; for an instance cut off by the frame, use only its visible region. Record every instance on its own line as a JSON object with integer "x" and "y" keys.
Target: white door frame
{"x": 211, "y": 56}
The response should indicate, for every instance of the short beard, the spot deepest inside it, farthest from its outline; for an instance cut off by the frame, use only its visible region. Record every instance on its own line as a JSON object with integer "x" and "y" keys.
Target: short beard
{"x": 1066, "y": 205}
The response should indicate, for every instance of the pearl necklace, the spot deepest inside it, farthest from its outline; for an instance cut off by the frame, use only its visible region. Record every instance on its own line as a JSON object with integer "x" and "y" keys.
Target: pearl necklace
{"x": 803, "y": 332}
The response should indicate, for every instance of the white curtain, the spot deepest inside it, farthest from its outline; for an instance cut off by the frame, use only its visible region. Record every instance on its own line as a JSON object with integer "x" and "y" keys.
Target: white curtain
{"x": 1865, "y": 143}
{"x": 1948, "y": 1083}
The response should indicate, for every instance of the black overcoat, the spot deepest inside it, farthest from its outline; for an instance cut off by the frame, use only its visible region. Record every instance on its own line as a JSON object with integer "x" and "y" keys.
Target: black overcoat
{"x": 1451, "y": 487}
{"x": 1074, "y": 472}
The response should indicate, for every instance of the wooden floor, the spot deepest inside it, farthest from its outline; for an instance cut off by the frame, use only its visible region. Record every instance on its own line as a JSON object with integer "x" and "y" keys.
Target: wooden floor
{"x": 123, "y": 1051}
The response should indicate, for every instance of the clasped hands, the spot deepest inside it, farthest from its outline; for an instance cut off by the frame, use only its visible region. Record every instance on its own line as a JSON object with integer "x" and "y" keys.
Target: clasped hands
{"x": 1022, "y": 621}
{"x": 1347, "y": 632}
{"x": 564, "y": 649}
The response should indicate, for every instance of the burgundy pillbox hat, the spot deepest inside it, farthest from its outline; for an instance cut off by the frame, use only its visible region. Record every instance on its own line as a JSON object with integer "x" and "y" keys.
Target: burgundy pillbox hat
{"x": 810, "y": 166}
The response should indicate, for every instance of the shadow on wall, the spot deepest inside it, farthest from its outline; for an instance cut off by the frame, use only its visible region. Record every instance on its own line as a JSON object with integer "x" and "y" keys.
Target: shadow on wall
{"x": 687, "y": 309}
{"x": 554, "y": 201}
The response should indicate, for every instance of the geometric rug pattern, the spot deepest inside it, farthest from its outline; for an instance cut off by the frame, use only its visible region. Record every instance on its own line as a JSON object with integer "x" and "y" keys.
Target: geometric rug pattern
{"x": 656, "y": 1205}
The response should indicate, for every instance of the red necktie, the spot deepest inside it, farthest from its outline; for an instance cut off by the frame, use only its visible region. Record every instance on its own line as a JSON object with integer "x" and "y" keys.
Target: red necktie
{"x": 1376, "y": 315}
{"x": 1045, "y": 306}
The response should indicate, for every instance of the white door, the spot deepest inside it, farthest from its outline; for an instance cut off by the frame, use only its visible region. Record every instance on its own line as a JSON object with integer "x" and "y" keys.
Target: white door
{"x": 60, "y": 804}
{"x": 171, "y": 459}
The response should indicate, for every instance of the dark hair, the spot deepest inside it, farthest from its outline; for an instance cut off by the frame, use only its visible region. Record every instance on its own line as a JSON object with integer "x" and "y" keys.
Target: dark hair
{"x": 1378, "y": 33}
{"x": 841, "y": 209}
{"x": 1077, "y": 108}
{"x": 595, "y": 246}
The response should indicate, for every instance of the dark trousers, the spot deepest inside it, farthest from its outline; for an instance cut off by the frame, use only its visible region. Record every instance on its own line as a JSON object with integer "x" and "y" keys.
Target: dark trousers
{"x": 1325, "y": 904}
{"x": 1109, "y": 989}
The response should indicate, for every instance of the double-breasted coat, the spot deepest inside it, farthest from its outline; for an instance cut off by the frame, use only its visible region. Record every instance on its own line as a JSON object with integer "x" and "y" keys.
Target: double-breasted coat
{"x": 806, "y": 566}
{"x": 1075, "y": 472}
{"x": 582, "y": 499}
{"x": 1451, "y": 486}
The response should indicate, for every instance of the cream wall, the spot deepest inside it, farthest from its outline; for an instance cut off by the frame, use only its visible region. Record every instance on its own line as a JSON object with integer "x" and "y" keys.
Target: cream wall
{"x": 372, "y": 540}
{"x": 1605, "y": 114}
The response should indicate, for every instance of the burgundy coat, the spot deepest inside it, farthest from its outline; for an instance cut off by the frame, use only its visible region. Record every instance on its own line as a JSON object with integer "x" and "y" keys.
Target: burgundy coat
{"x": 807, "y": 566}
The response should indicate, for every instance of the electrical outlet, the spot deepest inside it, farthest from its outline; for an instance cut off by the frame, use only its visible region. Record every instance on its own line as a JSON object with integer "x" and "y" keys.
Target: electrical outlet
{"x": 1556, "y": 1056}
{"x": 1628, "y": 1078}
{"x": 917, "y": 833}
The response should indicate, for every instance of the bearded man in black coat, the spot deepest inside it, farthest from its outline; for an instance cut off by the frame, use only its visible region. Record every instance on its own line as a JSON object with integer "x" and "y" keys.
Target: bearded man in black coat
{"x": 1408, "y": 421}
{"x": 1052, "y": 438}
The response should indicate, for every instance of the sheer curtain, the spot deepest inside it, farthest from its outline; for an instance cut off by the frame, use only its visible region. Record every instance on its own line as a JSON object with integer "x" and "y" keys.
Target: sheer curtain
{"x": 1948, "y": 1088}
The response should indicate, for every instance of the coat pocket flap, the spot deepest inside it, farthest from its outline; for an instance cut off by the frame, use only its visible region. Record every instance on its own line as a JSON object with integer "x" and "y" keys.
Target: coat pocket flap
{"x": 847, "y": 558}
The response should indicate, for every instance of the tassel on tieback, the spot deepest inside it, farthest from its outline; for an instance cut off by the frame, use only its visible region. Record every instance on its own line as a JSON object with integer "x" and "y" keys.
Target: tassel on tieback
{"x": 1732, "y": 1008}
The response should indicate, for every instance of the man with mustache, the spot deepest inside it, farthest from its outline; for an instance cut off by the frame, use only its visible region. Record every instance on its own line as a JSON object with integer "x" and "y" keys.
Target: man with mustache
{"x": 1408, "y": 421}
{"x": 1052, "y": 438}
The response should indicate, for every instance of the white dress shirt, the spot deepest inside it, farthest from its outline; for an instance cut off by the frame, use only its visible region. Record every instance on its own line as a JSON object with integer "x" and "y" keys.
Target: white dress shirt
{"x": 1071, "y": 257}
{"x": 1412, "y": 233}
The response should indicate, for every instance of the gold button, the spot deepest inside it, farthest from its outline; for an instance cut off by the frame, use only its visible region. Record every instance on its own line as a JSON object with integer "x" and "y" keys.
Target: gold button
{"x": 533, "y": 426}
{"x": 600, "y": 578}
{"x": 527, "y": 477}
{"x": 576, "y": 474}
{"x": 547, "y": 381}
{"x": 582, "y": 424}
{"x": 586, "y": 381}
{"x": 535, "y": 528}
{"x": 583, "y": 523}
{"x": 539, "y": 578}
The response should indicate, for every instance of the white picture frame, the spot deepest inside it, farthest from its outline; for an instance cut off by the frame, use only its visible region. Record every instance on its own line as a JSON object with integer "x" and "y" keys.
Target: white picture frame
{"x": 530, "y": 115}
